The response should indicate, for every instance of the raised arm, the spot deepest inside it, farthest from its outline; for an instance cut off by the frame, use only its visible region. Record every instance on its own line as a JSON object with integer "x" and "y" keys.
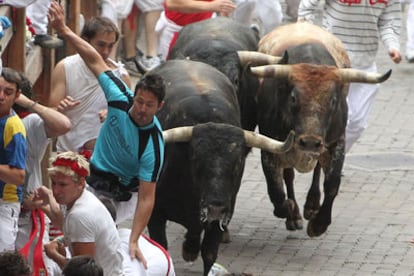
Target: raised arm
{"x": 48, "y": 204}
{"x": 193, "y": 6}
{"x": 56, "y": 123}
{"x": 91, "y": 57}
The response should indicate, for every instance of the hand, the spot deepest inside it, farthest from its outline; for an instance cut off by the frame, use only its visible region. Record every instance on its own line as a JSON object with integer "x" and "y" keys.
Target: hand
{"x": 52, "y": 249}
{"x": 30, "y": 203}
{"x": 223, "y": 7}
{"x": 56, "y": 17}
{"x": 102, "y": 115}
{"x": 67, "y": 103}
{"x": 135, "y": 252}
{"x": 43, "y": 194}
{"x": 24, "y": 101}
{"x": 395, "y": 55}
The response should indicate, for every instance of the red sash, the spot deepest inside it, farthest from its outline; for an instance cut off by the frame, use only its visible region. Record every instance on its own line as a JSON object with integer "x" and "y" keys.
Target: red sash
{"x": 183, "y": 19}
{"x": 38, "y": 266}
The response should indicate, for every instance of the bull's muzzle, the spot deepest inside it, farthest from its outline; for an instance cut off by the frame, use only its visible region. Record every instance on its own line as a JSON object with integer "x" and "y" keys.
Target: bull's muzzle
{"x": 215, "y": 213}
{"x": 310, "y": 143}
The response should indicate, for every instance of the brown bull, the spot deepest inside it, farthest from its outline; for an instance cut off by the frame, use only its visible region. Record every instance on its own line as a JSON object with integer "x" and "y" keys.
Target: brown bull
{"x": 306, "y": 92}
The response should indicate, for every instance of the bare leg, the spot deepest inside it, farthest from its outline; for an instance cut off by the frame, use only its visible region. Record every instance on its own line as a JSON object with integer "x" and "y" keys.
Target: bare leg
{"x": 130, "y": 31}
{"x": 150, "y": 19}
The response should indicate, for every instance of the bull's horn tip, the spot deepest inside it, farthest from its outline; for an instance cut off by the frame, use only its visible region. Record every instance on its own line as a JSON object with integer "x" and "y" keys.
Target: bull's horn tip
{"x": 385, "y": 76}
{"x": 289, "y": 141}
{"x": 291, "y": 136}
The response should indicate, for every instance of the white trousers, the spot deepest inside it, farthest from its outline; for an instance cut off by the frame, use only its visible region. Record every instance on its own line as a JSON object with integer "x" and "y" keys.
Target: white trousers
{"x": 158, "y": 260}
{"x": 360, "y": 99}
{"x": 37, "y": 12}
{"x": 9, "y": 216}
{"x": 108, "y": 9}
{"x": 166, "y": 30}
{"x": 410, "y": 30}
{"x": 125, "y": 210}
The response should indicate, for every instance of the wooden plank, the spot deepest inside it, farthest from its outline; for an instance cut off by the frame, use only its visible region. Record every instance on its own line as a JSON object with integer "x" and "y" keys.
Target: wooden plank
{"x": 72, "y": 19}
{"x": 34, "y": 63}
{"x": 89, "y": 9}
{"x": 15, "y": 52}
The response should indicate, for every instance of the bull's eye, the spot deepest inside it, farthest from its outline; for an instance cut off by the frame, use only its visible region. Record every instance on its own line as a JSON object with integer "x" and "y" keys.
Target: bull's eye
{"x": 293, "y": 97}
{"x": 333, "y": 101}
{"x": 236, "y": 82}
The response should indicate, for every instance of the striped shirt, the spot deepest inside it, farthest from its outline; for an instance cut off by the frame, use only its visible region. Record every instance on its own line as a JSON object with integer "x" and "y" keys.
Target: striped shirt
{"x": 13, "y": 153}
{"x": 359, "y": 24}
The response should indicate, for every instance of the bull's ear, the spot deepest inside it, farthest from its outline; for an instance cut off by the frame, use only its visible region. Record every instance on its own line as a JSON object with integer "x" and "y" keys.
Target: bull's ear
{"x": 285, "y": 58}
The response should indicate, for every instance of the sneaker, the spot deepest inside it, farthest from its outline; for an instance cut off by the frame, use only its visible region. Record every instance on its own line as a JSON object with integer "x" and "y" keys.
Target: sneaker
{"x": 146, "y": 63}
{"x": 217, "y": 270}
{"x": 47, "y": 41}
{"x": 409, "y": 55}
{"x": 131, "y": 65}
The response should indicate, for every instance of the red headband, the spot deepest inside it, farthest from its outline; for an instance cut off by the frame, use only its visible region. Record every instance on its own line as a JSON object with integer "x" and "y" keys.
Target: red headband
{"x": 72, "y": 164}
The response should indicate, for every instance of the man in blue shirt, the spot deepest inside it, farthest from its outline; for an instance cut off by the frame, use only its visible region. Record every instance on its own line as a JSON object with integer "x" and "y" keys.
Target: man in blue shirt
{"x": 130, "y": 148}
{"x": 12, "y": 158}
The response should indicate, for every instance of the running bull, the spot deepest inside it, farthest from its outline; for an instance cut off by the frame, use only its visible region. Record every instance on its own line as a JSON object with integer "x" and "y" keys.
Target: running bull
{"x": 231, "y": 47}
{"x": 204, "y": 157}
{"x": 306, "y": 93}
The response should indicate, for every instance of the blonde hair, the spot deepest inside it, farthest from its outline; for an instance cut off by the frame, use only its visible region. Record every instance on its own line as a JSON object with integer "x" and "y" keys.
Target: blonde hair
{"x": 70, "y": 164}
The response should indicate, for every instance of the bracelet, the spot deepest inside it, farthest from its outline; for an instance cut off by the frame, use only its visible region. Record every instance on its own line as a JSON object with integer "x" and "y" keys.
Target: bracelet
{"x": 61, "y": 240}
{"x": 33, "y": 105}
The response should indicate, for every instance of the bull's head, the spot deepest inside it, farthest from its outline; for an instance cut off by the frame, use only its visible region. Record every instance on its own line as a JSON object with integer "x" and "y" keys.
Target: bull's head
{"x": 314, "y": 104}
{"x": 217, "y": 155}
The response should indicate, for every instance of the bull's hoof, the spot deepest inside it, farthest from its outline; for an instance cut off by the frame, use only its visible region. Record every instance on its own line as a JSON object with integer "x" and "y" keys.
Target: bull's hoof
{"x": 316, "y": 229}
{"x": 279, "y": 214}
{"x": 299, "y": 224}
{"x": 308, "y": 214}
{"x": 290, "y": 225}
{"x": 189, "y": 255}
{"x": 287, "y": 209}
{"x": 311, "y": 209}
{"x": 225, "y": 238}
{"x": 293, "y": 225}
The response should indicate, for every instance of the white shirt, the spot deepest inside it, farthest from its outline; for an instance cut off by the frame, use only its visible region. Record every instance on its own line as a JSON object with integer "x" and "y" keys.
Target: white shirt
{"x": 89, "y": 221}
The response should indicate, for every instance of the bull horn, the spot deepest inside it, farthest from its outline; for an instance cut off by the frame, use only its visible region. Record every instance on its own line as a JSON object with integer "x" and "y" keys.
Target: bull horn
{"x": 272, "y": 71}
{"x": 355, "y": 75}
{"x": 268, "y": 144}
{"x": 256, "y": 58}
{"x": 178, "y": 134}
